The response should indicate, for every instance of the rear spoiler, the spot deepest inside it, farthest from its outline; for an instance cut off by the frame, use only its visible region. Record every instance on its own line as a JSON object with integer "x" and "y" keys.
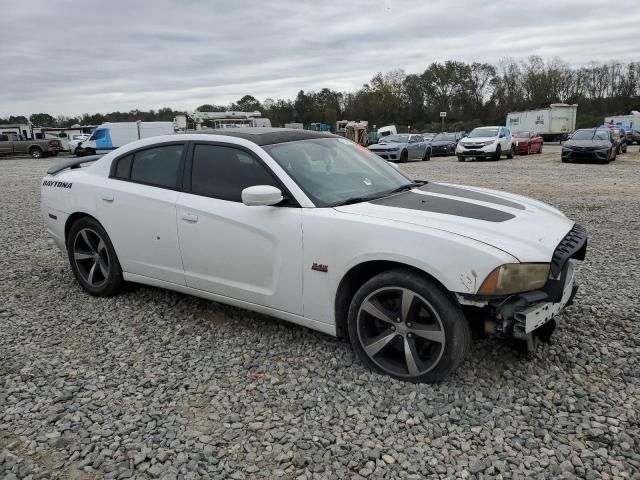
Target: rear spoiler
{"x": 75, "y": 163}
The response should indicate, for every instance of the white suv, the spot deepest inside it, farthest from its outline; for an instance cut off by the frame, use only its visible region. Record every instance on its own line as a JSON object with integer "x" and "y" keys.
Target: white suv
{"x": 486, "y": 143}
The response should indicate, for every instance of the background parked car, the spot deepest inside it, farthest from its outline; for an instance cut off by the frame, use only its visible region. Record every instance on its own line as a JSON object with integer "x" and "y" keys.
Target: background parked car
{"x": 633, "y": 136}
{"x": 486, "y": 143}
{"x": 75, "y": 141}
{"x": 527, "y": 142}
{"x": 590, "y": 145}
{"x": 445, "y": 143}
{"x": 10, "y": 143}
{"x": 402, "y": 147}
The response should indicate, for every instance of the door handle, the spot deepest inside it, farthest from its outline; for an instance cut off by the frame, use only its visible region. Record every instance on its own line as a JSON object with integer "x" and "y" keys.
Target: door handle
{"x": 107, "y": 198}
{"x": 189, "y": 217}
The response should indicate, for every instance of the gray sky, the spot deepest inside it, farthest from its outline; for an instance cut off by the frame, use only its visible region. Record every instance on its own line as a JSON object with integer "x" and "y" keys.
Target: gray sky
{"x": 71, "y": 57}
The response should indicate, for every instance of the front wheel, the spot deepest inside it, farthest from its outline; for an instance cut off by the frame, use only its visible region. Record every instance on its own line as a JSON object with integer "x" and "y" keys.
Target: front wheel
{"x": 93, "y": 259}
{"x": 404, "y": 156}
{"x": 460, "y": 158}
{"x": 427, "y": 155}
{"x": 405, "y": 326}
{"x": 498, "y": 154}
{"x": 540, "y": 149}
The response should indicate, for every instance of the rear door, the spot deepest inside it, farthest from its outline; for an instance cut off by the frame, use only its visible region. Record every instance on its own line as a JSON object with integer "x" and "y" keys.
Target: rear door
{"x": 137, "y": 207}
{"x": 253, "y": 254}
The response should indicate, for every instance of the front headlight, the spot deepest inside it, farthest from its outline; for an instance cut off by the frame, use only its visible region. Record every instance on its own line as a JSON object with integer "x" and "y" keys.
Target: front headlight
{"x": 488, "y": 142}
{"x": 514, "y": 278}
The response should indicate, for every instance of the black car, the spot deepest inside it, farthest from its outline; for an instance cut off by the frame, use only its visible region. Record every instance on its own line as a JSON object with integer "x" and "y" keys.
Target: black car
{"x": 445, "y": 143}
{"x": 633, "y": 136}
{"x": 590, "y": 144}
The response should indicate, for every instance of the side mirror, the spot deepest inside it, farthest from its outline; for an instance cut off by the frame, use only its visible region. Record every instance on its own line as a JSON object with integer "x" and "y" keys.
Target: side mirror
{"x": 261, "y": 195}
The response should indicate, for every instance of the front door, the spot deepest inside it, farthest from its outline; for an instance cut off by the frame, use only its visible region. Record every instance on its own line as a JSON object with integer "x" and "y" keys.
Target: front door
{"x": 137, "y": 207}
{"x": 253, "y": 254}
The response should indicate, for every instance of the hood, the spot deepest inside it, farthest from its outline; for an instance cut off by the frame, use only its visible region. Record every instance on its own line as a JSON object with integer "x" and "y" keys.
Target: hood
{"x": 441, "y": 143}
{"x": 468, "y": 140}
{"x": 525, "y": 228}
{"x": 386, "y": 145}
{"x": 586, "y": 143}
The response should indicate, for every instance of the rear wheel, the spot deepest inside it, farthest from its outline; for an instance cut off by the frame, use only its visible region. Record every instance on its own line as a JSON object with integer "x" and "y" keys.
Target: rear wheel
{"x": 540, "y": 149}
{"x": 36, "y": 152}
{"x": 405, "y": 326}
{"x": 512, "y": 151}
{"x": 529, "y": 149}
{"x": 93, "y": 259}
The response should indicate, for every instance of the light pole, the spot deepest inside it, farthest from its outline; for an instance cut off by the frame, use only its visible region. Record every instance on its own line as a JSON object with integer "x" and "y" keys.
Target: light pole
{"x": 442, "y": 116}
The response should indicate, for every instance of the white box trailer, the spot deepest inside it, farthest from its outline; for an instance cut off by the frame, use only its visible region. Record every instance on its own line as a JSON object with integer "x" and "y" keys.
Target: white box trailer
{"x": 552, "y": 122}
{"x": 110, "y": 136}
{"x": 631, "y": 121}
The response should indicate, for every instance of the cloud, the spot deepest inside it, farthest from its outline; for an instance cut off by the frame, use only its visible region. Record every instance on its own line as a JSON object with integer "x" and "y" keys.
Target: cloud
{"x": 73, "y": 57}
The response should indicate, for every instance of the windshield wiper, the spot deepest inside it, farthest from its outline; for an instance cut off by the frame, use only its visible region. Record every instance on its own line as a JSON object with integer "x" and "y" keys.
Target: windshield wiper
{"x": 407, "y": 186}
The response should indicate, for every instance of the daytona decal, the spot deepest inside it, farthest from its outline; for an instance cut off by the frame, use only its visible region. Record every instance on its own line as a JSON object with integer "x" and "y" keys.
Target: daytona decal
{"x": 53, "y": 183}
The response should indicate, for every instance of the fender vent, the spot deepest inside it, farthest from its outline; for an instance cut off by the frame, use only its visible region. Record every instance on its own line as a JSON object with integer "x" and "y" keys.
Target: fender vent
{"x": 573, "y": 245}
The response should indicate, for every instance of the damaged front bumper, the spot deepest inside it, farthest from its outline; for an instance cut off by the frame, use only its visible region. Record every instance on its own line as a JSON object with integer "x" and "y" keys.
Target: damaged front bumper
{"x": 530, "y": 316}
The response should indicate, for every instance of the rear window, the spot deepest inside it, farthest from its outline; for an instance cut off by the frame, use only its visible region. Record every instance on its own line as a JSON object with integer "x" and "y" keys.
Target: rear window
{"x": 158, "y": 166}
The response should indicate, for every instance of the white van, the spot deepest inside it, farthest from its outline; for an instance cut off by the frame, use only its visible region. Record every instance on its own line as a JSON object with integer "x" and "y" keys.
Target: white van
{"x": 110, "y": 136}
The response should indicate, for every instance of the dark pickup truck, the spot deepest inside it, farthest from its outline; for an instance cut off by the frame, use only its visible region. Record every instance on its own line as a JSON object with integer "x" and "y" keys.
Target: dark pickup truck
{"x": 10, "y": 144}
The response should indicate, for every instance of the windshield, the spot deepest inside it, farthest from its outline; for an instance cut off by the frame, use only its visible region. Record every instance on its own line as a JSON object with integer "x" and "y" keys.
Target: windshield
{"x": 332, "y": 171}
{"x": 521, "y": 134}
{"x": 483, "y": 132}
{"x": 590, "y": 135}
{"x": 395, "y": 139}
{"x": 444, "y": 137}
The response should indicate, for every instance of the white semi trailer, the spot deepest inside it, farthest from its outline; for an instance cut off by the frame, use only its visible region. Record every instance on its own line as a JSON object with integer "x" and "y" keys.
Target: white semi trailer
{"x": 631, "y": 121}
{"x": 551, "y": 123}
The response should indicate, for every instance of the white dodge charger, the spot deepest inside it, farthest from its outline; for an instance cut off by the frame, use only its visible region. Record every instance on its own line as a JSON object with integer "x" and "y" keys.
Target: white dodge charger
{"x": 314, "y": 229}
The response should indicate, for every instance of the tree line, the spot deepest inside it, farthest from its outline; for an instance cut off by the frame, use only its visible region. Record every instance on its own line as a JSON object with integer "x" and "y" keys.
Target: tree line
{"x": 472, "y": 94}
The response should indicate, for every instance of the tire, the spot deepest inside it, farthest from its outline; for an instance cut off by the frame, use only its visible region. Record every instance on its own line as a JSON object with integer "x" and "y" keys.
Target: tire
{"x": 612, "y": 156}
{"x": 53, "y": 154}
{"x": 497, "y": 154}
{"x": 386, "y": 339}
{"x": 93, "y": 259}
{"x": 404, "y": 156}
{"x": 36, "y": 152}
{"x": 529, "y": 150}
{"x": 460, "y": 158}
{"x": 540, "y": 149}
{"x": 511, "y": 152}
{"x": 89, "y": 151}
{"x": 427, "y": 155}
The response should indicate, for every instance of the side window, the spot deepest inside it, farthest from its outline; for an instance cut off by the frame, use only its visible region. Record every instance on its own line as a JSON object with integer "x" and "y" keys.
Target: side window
{"x": 4, "y": 138}
{"x": 98, "y": 134}
{"x": 223, "y": 172}
{"x": 159, "y": 166}
{"x": 124, "y": 167}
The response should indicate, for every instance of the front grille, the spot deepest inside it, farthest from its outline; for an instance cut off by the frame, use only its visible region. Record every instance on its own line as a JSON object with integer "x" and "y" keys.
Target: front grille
{"x": 573, "y": 245}
{"x": 473, "y": 145}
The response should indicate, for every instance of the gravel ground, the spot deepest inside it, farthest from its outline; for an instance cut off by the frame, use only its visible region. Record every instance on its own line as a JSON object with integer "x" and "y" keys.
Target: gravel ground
{"x": 155, "y": 384}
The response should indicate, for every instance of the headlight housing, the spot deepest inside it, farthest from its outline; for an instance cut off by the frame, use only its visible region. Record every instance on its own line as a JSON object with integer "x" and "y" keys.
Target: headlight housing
{"x": 515, "y": 278}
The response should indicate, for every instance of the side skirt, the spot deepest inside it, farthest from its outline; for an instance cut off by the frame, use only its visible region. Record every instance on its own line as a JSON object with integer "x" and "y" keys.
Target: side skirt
{"x": 289, "y": 317}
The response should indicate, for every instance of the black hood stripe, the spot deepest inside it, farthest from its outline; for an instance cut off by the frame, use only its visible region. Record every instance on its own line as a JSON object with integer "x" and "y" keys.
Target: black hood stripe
{"x": 447, "y": 206}
{"x": 470, "y": 194}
